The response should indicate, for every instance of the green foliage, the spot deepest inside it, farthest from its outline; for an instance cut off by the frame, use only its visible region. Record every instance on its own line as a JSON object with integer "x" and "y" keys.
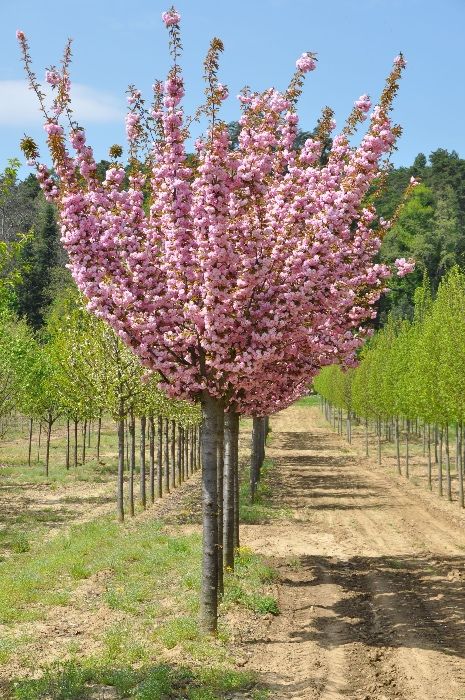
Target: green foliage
{"x": 413, "y": 368}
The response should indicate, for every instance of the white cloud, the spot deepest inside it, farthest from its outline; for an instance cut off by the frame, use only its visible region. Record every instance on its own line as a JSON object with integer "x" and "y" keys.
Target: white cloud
{"x": 18, "y": 105}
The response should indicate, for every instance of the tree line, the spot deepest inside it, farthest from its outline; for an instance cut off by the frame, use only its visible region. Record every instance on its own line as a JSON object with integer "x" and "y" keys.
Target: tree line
{"x": 410, "y": 384}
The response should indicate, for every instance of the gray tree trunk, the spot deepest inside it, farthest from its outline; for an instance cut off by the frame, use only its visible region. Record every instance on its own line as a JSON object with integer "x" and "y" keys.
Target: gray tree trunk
{"x": 143, "y": 493}
{"x": 132, "y": 461}
{"x": 160, "y": 458}
{"x": 152, "y": 459}
{"x": 211, "y": 409}
{"x": 120, "y": 486}
{"x": 231, "y": 433}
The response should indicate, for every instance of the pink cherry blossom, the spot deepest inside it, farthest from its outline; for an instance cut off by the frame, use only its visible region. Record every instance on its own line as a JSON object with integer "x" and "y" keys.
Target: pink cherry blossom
{"x": 171, "y": 17}
{"x": 306, "y": 63}
{"x": 404, "y": 267}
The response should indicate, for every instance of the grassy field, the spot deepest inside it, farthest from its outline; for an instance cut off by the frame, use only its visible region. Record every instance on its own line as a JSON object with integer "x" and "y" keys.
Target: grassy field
{"x": 93, "y": 609}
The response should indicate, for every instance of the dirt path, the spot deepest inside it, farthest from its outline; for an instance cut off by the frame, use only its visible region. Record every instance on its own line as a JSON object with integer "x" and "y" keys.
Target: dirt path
{"x": 372, "y": 590}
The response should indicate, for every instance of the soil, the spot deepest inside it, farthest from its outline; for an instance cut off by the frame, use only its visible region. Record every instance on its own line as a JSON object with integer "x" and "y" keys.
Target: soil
{"x": 372, "y": 574}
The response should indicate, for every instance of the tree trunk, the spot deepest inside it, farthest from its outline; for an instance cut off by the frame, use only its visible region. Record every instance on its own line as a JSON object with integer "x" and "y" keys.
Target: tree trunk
{"x": 160, "y": 458}
{"x": 399, "y": 469}
{"x": 67, "y": 444}
{"x": 440, "y": 488}
{"x": 31, "y": 425}
{"x": 181, "y": 447}
{"x": 460, "y": 464}
{"x": 220, "y": 480}
{"x": 379, "y": 440}
{"x": 179, "y": 454}
{"x": 75, "y": 443}
{"x": 99, "y": 434}
{"x": 194, "y": 447}
{"x": 191, "y": 449}
{"x": 255, "y": 457}
{"x": 366, "y": 438}
{"x": 143, "y": 494}
{"x": 132, "y": 461}
{"x": 448, "y": 475}
{"x": 120, "y": 488}
{"x": 89, "y": 431}
{"x": 47, "y": 447}
{"x": 430, "y": 466}
{"x": 186, "y": 451}
{"x": 173, "y": 454}
{"x": 84, "y": 435}
{"x": 211, "y": 408}
{"x": 236, "y": 489}
{"x": 152, "y": 459}
{"x": 167, "y": 456}
{"x": 231, "y": 429}
{"x": 38, "y": 446}
{"x": 407, "y": 454}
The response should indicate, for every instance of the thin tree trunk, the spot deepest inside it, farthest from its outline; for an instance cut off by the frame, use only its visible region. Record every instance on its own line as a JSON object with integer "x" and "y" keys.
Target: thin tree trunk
{"x": 399, "y": 469}
{"x": 152, "y": 459}
{"x": 236, "y": 489}
{"x": 220, "y": 483}
{"x": 31, "y": 425}
{"x": 89, "y": 431}
{"x": 211, "y": 409}
{"x": 379, "y": 440}
{"x": 173, "y": 454}
{"x": 160, "y": 458}
{"x": 132, "y": 461}
{"x": 99, "y": 434}
{"x": 440, "y": 487}
{"x": 143, "y": 493}
{"x": 183, "y": 461}
{"x": 194, "y": 447}
{"x": 407, "y": 453}
{"x": 84, "y": 435}
{"x": 448, "y": 475}
{"x": 120, "y": 488}
{"x": 430, "y": 466}
{"x": 76, "y": 443}
{"x": 191, "y": 449}
{"x": 167, "y": 456}
{"x": 460, "y": 464}
{"x": 366, "y": 438}
{"x": 47, "y": 447}
{"x": 179, "y": 454}
{"x": 231, "y": 425}
{"x": 67, "y": 444}
{"x": 186, "y": 451}
{"x": 38, "y": 446}
{"x": 436, "y": 441}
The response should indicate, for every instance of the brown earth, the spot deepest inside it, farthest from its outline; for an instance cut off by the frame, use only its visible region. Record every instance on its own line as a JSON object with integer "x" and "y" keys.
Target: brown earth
{"x": 372, "y": 571}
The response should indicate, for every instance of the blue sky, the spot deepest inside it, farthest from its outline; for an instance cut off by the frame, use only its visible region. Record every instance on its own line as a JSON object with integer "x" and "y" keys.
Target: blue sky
{"x": 117, "y": 42}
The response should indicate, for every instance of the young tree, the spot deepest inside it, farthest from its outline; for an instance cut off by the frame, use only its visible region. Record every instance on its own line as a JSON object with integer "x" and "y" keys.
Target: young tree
{"x": 245, "y": 271}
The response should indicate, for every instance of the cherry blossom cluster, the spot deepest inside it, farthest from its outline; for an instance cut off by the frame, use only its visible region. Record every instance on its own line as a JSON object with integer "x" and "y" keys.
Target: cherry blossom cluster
{"x": 249, "y": 268}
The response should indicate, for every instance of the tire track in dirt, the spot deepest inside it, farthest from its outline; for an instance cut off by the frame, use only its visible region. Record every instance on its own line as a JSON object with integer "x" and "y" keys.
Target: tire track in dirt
{"x": 371, "y": 593}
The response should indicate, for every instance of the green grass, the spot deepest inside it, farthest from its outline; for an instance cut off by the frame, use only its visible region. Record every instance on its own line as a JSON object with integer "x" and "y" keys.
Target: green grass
{"x": 311, "y": 400}
{"x": 77, "y": 680}
{"x": 151, "y": 585}
{"x": 264, "y": 508}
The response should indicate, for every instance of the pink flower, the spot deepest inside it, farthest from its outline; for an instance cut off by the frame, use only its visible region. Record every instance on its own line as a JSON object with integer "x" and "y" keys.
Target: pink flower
{"x": 306, "y": 62}
{"x": 223, "y": 91}
{"x": 20, "y": 35}
{"x": 363, "y": 103}
{"x": 404, "y": 267}
{"x": 52, "y": 77}
{"x": 171, "y": 17}
{"x": 414, "y": 182}
{"x": 400, "y": 61}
